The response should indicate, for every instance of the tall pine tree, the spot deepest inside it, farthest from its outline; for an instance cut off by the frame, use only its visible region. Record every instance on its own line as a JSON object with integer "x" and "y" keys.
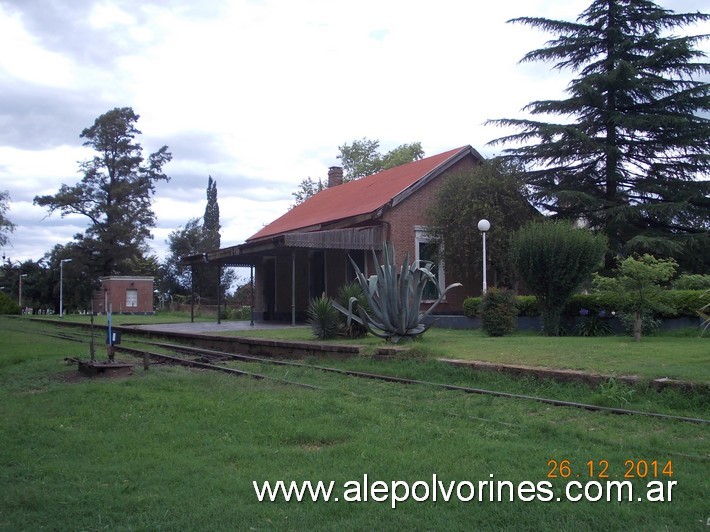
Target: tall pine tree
{"x": 630, "y": 157}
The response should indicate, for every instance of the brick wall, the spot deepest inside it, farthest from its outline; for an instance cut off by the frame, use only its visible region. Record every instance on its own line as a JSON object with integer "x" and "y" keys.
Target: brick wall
{"x": 400, "y": 222}
{"x": 405, "y": 217}
{"x": 124, "y": 295}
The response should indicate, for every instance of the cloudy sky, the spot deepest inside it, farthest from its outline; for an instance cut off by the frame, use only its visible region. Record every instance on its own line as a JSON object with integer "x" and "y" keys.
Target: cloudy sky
{"x": 258, "y": 94}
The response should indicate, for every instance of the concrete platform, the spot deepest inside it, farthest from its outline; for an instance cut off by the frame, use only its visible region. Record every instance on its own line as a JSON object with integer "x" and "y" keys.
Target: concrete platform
{"x": 213, "y": 327}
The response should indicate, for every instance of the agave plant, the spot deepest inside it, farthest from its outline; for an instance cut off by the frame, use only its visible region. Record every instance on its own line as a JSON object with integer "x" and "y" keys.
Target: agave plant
{"x": 394, "y": 297}
{"x": 704, "y": 313}
{"x": 352, "y": 329}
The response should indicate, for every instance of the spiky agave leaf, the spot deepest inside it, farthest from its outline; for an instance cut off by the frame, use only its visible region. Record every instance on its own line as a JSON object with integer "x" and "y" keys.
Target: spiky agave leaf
{"x": 394, "y": 297}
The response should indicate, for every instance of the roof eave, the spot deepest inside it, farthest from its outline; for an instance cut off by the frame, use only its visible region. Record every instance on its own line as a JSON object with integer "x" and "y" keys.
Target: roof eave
{"x": 414, "y": 187}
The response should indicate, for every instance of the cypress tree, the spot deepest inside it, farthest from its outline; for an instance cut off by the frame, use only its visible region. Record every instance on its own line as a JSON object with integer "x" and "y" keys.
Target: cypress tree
{"x": 207, "y": 277}
{"x": 210, "y": 221}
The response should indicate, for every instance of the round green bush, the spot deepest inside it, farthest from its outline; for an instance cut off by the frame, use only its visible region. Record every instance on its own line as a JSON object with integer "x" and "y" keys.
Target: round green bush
{"x": 498, "y": 312}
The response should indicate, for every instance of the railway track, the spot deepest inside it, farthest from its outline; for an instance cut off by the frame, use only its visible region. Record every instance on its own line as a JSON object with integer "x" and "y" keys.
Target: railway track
{"x": 181, "y": 361}
{"x": 401, "y": 380}
{"x": 200, "y": 355}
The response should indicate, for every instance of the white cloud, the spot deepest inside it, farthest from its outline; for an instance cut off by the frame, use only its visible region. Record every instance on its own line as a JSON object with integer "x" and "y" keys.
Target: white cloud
{"x": 258, "y": 94}
{"x": 24, "y": 59}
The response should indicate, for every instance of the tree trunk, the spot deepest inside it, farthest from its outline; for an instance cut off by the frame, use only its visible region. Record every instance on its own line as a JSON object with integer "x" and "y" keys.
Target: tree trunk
{"x": 637, "y": 326}
{"x": 551, "y": 318}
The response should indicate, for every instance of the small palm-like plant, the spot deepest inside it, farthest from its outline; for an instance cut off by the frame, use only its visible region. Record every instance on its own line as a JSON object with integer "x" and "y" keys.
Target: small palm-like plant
{"x": 323, "y": 318}
{"x": 394, "y": 297}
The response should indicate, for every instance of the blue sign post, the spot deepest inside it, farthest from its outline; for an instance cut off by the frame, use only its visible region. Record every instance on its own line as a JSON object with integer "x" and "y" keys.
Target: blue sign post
{"x": 109, "y": 340}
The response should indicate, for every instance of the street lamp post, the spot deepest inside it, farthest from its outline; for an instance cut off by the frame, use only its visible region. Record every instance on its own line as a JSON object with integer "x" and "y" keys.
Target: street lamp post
{"x": 483, "y": 226}
{"x": 61, "y": 286}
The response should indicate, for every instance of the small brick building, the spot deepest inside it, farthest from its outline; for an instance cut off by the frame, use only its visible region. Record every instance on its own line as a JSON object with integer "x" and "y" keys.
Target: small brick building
{"x": 124, "y": 295}
{"x": 306, "y": 252}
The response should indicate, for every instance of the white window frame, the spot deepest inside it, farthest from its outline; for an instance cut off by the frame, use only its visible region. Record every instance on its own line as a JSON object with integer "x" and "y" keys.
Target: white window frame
{"x": 422, "y": 236}
{"x": 131, "y": 298}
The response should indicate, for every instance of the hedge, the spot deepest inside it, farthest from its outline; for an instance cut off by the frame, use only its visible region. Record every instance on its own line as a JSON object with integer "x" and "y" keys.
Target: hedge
{"x": 686, "y": 302}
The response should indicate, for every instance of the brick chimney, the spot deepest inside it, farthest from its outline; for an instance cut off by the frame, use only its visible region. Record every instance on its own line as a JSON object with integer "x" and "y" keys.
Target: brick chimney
{"x": 335, "y": 176}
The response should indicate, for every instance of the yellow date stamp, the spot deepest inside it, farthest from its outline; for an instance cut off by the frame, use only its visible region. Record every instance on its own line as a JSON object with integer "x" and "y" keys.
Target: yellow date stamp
{"x": 601, "y": 469}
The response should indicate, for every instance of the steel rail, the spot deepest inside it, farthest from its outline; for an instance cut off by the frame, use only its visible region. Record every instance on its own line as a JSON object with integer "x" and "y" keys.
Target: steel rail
{"x": 386, "y": 378}
{"x": 454, "y": 387}
{"x": 204, "y": 365}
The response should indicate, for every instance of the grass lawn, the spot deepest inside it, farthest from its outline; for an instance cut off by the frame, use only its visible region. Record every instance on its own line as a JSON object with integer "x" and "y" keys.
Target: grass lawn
{"x": 177, "y": 449}
{"x": 683, "y": 356}
{"x": 130, "y": 319}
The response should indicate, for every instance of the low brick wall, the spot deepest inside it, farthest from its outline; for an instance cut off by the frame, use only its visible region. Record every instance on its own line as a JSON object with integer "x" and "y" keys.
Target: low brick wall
{"x": 262, "y": 347}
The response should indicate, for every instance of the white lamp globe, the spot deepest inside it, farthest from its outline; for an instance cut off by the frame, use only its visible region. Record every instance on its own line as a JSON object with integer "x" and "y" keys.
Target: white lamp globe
{"x": 484, "y": 225}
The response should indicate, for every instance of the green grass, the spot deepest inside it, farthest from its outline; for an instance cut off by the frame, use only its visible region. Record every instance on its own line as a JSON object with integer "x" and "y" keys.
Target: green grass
{"x": 128, "y": 319}
{"x": 674, "y": 356}
{"x": 175, "y": 449}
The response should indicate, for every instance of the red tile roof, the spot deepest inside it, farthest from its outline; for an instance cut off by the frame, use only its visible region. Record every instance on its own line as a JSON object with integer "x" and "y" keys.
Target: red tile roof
{"x": 360, "y": 197}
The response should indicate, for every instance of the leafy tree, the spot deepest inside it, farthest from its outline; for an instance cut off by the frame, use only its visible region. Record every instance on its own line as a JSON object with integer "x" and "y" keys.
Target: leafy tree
{"x": 6, "y": 226}
{"x": 40, "y": 281}
{"x": 8, "y": 305}
{"x": 147, "y": 264}
{"x": 553, "y": 258}
{"x": 406, "y": 153}
{"x": 176, "y": 278}
{"x": 198, "y": 236}
{"x": 79, "y": 281}
{"x": 637, "y": 285}
{"x": 492, "y": 191}
{"x": 631, "y": 155}
{"x": 242, "y": 296}
{"x": 360, "y": 159}
{"x": 34, "y": 282}
{"x": 115, "y": 193}
{"x": 307, "y": 188}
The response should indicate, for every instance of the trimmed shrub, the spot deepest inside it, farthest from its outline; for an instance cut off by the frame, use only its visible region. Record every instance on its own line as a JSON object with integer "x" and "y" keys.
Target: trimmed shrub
{"x": 527, "y": 306}
{"x": 472, "y": 307}
{"x": 691, "y": 281}
{"x": 554, "y": 258}
{"x": 498, "y": 312}
{"x": 680, "y": 303}
{"x": 685, "y": 302}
